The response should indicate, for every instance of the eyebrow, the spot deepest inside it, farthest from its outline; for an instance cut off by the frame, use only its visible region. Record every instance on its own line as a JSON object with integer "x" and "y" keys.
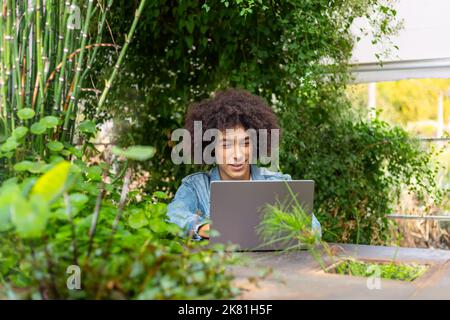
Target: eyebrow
{"x": 247, "y": 138}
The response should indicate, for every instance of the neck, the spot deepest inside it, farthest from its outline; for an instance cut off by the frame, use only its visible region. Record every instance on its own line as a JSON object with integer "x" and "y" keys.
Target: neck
{"x": 224, "y": 176}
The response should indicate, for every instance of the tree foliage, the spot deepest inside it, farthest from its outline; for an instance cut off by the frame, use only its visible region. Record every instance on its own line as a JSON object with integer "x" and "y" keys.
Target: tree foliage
{"x": 59, "y": 212}
{"x": 293, "y": 53}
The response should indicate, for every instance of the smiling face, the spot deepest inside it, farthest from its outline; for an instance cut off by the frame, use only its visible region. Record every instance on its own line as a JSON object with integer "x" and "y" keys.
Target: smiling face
{"x": 233, "y": 154}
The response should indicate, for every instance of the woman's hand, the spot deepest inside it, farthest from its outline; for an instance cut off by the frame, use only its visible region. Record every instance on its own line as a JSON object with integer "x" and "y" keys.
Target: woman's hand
{"x": 203, "y": 231}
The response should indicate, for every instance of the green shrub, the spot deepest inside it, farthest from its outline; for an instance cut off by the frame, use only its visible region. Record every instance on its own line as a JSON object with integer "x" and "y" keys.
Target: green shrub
{"x": 124, "y": 248}
{"x": 56, "y": 209}
{"x": 186, "y": 50}
{"x": 359, "y": 169}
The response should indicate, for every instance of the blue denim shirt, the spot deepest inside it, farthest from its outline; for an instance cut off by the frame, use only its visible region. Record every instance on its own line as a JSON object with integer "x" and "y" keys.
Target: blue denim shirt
{"x": 190, "y": 207}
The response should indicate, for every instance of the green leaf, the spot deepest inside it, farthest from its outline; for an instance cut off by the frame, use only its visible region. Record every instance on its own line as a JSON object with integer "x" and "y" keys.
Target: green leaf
{"x": 206, "y": 7}
{"x": 55, "y": 146}
{"x": 9, "y": 194}
{"x": 137, "y": 220}
{"x": 33, "y": 167}
{"x": 26, "y": 113}
{"x": 109, "y": 187}
{"x": 30, "y": 217}
{"x": 19, "y": 132}
{"x": 87, "y": 126}
{"x": 78, "y": 199}
{"x": 66, "y": 153}
{"x": 9, "y": 145}
{"x": 190, "y": 24}
{"x": 60, "y": 214}
{"x": 158, "y": 226}
{"x": 94, "y": 173}
{"x": 189, "y": 41}
{"x": 54, "y": 159}
{"x": 49, "y": 121}
{"x": 139, "y": 153}
{"x": 160, "y": 195}
{"x": 80, "y": 164}
{"x": 52, "y": 183}
{"x": 76, "y": 168}
{"x": 76, "y": 152}
{"x": 7, "y": 155}
{"x": 38, "y": 128}
{"x": 23, "y": 165}
{"x": 38, "y": 167}
{"x": 158, "y": 209}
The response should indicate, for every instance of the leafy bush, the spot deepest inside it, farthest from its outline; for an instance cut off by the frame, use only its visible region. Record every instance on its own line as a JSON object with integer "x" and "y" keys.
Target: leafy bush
{"x": 59, "y": 211}
{"x": 293, "y": 53}
{"x": 359, "y": 169}
{"x": 185, "y": 50}
{"x": 124, "y": 248}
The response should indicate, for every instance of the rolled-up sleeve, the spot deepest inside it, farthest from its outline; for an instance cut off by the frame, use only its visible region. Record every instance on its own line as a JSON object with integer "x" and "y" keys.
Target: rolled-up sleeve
{"x": 183, "y": 211}
{"x": 316, "y": 227}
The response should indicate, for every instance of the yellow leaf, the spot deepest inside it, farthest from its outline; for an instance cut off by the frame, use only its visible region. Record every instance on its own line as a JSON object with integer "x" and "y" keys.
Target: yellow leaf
{"x": 51, "y": 184}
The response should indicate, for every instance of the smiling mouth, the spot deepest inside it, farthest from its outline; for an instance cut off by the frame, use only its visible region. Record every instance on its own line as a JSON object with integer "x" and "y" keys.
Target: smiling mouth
{"x": 237, "y": 166}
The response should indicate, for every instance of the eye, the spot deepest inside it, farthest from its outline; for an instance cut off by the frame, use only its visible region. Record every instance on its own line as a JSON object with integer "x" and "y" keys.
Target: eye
{"x": 245, "y": 143}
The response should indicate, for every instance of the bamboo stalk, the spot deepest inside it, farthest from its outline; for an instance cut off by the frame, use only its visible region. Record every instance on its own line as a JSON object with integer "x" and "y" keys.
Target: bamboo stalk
{"x": 45, "y": 60}
{"x": 65, "y": 51}
{"x": 74, "y": 93}
{"x": 98, "y": 39}
{"x": 40, "y": 65}
{"x": 128, "y": 38}
{"x": 28, "y": 65}
{"x": 92, "y": 57}
{"x": 70, "y": 56}
{"x": 3, "y": 97}
{"x": 61, "y": 45}
{"x": 15, "y": 59}
{"x": 7, "y": 61}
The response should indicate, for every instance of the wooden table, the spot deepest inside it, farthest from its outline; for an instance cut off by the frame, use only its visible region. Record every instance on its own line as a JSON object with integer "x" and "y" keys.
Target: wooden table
{"x": 296, "y": 275}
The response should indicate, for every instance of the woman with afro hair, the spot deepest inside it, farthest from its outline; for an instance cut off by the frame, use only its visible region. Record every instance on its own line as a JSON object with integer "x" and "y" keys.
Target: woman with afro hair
{"x": 231, "y": 113}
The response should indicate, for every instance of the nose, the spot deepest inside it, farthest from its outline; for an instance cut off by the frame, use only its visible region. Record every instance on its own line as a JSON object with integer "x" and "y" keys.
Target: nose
{"x": 238, "y": 153}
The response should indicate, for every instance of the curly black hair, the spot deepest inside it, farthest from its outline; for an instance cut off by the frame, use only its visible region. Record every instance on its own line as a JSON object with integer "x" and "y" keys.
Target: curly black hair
{"x": 230, "y": 108}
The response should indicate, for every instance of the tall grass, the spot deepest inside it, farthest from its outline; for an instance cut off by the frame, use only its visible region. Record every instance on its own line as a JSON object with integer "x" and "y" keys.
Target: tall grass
{"x": 47, "y": 48}
{"x": 287, "y": 223}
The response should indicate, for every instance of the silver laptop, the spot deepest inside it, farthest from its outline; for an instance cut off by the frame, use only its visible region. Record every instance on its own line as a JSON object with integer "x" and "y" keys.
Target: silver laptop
{"x": 237, "y": 206}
